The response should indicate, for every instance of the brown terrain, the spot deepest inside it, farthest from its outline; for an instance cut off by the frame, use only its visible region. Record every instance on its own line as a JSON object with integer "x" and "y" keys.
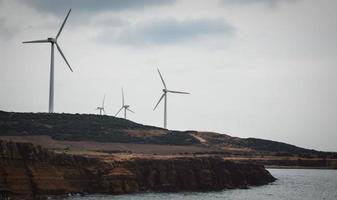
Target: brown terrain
{"x": 32, "y": 172}
{"x": 44, "y": 154}
{"x": 131, "y": 150}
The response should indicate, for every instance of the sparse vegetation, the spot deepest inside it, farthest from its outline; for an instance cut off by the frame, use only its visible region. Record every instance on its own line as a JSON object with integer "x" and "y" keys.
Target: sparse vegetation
{"x": 79, "y": 127}
{"x": 84, "y": 127}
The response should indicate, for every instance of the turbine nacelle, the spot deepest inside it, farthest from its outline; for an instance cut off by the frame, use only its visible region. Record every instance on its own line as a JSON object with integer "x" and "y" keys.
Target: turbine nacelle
{"x": 52, "y": 40}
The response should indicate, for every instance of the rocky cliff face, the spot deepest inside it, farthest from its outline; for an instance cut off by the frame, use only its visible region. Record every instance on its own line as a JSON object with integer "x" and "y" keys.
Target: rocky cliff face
{"x": 31, "y": 172}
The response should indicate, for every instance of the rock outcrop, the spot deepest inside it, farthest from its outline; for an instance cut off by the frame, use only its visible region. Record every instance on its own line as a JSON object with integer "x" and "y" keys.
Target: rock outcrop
{"x": 31, "y": 172}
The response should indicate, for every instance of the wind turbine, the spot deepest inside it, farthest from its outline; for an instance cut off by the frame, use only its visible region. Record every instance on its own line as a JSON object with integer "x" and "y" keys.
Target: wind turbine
{"x": 164, "y": 95}
{"x": 101, "y": 109}
{"x": 125, "y": 107}
{"x": 53, "y": 42}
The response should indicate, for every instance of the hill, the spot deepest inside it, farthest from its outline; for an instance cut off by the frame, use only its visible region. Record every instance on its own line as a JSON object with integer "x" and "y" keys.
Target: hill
{"x": 86, "y": 133}
{"x": 80, "y": 127}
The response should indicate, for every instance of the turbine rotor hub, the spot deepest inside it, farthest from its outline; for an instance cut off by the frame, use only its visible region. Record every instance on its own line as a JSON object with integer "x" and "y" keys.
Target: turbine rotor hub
{"x": 53, "y": 40}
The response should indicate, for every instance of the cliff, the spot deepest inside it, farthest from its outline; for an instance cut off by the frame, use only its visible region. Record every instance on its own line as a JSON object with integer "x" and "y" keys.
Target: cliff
{"x": 31, "y": 172}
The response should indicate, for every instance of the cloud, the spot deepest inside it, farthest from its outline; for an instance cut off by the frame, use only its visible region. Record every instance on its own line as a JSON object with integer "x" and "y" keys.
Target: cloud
{"x": 271, "y": 3}
{"x": 167, "y": 31}
{"x": 4, "y": 31}
{"x": 111, "y": 22}
{"x": 7, "y": 31}
{"x": 59, "y": 6}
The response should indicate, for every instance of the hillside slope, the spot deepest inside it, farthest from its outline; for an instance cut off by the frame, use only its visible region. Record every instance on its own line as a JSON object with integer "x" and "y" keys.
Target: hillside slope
{"x": 79, "y": 127}
{"x": 83, "y": 134}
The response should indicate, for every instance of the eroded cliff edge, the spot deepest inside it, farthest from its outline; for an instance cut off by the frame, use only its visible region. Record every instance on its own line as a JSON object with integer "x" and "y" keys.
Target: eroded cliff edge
{"x": 29, "y": 172}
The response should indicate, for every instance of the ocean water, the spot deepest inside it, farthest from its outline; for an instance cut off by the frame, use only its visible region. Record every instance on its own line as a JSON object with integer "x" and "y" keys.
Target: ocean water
{"x": 292, "y": 184}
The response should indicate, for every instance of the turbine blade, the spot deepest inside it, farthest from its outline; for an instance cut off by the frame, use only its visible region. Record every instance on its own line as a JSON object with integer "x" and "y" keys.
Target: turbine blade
{"x": 119, "y": 111}
{"x": 171, "y": 91}
{"x": 122, "y": 97}
{"x": 161, "y": 77}
{"x": 103, "y": 101}
{"x": 130, "y": 110}
{"x": 162, "y": 96}
{"x": 58, "y": 34}
{"x": 59, "y": 48}
{"x": 36, "y": 41}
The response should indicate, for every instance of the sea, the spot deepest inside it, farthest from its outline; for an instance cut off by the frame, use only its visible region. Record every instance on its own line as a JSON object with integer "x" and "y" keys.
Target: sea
{"x": 291, "y": 184}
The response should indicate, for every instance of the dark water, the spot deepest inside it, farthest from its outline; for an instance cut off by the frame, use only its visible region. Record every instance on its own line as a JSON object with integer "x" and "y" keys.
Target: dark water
{"x": 292, "y": 184}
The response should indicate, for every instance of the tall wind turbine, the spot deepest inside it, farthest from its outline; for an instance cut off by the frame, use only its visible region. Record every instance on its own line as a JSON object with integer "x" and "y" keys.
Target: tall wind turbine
{"x": 125, "y": 107}
{"x": 164, "y": 95}
{"x": 101, "y": 109}
{"x": 53, "y": 42}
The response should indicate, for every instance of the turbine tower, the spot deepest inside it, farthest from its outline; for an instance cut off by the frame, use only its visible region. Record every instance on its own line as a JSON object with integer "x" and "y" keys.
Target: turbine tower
{"x": 101, "y": 109}
{"x": 164, "y": 95}
{"x": 125, "y": 107}
{"x": 53, "y": 42}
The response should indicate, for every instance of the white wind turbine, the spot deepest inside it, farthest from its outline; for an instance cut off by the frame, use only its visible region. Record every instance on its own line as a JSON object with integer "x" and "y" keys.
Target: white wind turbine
{"x": 53, "y": 42}
{"x": 125, "y": 107}
{"x": 164, "y": 95}
{"x": 101, "y": 109}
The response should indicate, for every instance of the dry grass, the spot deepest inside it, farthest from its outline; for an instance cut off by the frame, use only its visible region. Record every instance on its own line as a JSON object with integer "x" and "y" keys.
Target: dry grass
{"x": 145, "y": 133}
{"x": 99, "y": 148}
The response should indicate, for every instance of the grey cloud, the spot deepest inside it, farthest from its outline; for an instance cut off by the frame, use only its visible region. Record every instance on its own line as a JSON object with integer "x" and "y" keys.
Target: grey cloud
{"x": 111, "y": 22}
{"x": 57, "y": 6}
{"x": 6, "y": 30}
{"x": 249, "y": 2}
{"x": 168, "y": 31}
{"x": 83, "y": 10}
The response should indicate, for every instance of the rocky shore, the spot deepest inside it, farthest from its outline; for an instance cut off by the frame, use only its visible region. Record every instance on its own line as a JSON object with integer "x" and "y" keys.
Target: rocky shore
{"x": 32, "y": 172}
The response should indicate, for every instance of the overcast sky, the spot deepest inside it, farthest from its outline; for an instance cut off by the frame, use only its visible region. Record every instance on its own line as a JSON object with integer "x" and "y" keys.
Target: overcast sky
{"x": 255, "y": 68}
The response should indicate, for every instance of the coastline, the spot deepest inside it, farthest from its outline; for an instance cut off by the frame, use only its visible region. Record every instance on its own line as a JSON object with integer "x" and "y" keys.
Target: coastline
{"x": 32, "y": 172}
{"x": 297, "y": 167}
